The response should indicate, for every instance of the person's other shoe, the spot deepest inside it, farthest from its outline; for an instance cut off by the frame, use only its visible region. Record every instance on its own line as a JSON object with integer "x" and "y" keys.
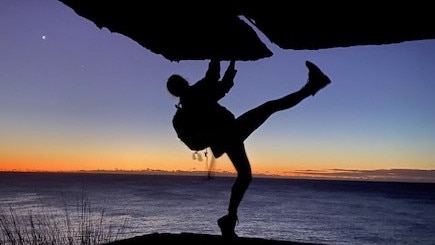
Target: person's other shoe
{"x": 316, "y": 78}
{"x": 227, "y": 224}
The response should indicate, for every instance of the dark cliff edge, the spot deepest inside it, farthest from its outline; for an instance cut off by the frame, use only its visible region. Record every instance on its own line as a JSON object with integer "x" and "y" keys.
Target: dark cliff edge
{"x": 198, "y": 239}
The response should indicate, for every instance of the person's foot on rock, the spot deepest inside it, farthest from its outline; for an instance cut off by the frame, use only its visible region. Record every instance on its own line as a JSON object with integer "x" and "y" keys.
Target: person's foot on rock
{"x": 227, "y": 224}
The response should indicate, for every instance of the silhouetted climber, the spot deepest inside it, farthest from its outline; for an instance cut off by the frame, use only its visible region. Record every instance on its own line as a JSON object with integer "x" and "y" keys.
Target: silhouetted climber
{"x": 201, "y": 122}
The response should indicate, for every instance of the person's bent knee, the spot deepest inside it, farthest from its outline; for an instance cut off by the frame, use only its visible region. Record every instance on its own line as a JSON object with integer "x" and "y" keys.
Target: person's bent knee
{"x": 245, "y": 178}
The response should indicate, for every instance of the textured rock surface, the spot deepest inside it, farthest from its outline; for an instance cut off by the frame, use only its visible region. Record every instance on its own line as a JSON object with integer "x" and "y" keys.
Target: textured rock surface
{"x": 197, "y": 239}
{"x": 197, "y": 30}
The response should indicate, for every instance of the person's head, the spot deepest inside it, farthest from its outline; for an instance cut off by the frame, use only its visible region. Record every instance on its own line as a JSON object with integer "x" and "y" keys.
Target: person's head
{"x": 176, "y": 85}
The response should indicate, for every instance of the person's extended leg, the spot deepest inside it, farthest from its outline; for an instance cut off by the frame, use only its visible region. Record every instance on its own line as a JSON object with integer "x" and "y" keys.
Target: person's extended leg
{"x": 238, "y": 157}
{"x": 252, "y": 119}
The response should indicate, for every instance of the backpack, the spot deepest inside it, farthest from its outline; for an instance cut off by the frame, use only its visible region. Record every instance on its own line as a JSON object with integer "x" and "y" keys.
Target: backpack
{"x": 190, "y": 129}
{"x": 199, "y": 130}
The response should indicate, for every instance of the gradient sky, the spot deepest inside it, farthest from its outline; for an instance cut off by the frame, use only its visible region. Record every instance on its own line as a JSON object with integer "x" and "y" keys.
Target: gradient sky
{"x": 76, "y": 97}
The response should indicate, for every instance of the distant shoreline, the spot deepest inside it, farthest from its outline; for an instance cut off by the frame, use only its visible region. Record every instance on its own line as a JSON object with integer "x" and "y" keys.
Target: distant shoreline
{"x": 216, "y": 174}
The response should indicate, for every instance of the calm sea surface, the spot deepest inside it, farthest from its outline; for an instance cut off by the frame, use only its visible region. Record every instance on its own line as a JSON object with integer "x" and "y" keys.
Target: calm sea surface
{"x": 325, "y": 212}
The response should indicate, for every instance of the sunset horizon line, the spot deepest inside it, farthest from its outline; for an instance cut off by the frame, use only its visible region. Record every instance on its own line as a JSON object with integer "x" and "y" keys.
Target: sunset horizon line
{"x": 381, "y": 175}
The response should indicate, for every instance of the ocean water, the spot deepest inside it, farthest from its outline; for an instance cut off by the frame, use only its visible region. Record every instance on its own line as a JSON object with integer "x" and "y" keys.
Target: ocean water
{"x": 316, "y": 211}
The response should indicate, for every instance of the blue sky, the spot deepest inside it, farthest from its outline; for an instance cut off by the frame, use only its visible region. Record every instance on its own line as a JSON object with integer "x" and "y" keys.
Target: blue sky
{"x": 80, "y": 97}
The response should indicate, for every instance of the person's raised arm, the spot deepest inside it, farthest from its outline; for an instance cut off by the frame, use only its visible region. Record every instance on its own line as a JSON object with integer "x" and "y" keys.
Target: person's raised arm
{"x": 224, "y": 86}
{"x": 214, "y": 70}
{"x": 228, "y": 78}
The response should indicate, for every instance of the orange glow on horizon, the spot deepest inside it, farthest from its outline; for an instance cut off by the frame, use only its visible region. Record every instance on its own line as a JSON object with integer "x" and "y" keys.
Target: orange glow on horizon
{"x": 407, "y": 175}
{"x": 113, "y": 159}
